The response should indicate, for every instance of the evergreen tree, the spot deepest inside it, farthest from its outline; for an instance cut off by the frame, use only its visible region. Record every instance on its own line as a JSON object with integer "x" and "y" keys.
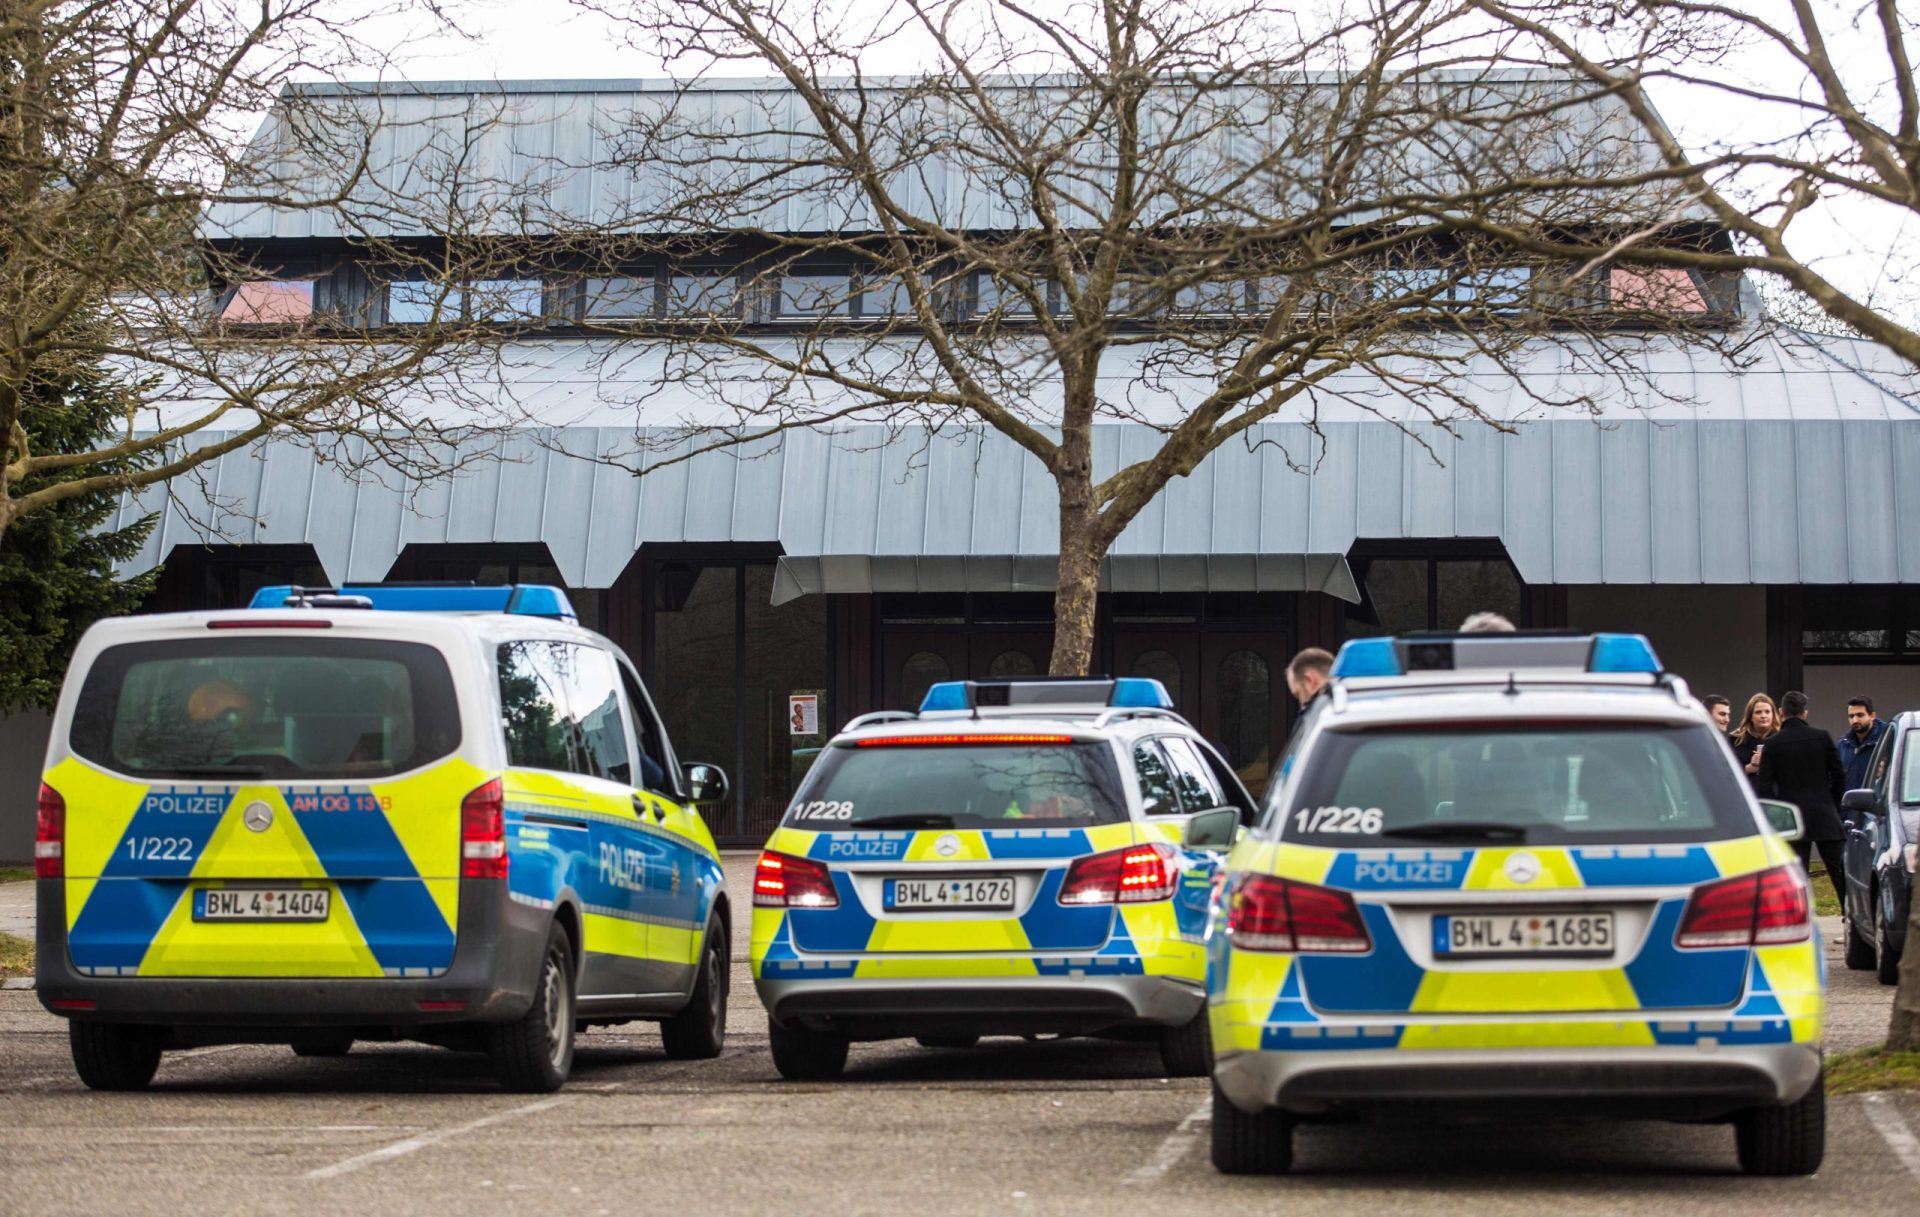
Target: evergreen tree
{"x": 56, "y": 564}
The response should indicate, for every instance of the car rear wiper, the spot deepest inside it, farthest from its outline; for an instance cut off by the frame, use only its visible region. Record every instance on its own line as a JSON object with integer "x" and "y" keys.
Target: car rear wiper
{"x": 1488, "y": 829}
{"x": 914, "y": 820}
{"x": 219, "y": 771}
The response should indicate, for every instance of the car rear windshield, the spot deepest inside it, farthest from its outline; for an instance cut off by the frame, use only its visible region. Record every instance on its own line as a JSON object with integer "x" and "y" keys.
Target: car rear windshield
{"x": 853, "y": 788}
{"x": 1569, "y": 783}
{"x": 266, "y": 707}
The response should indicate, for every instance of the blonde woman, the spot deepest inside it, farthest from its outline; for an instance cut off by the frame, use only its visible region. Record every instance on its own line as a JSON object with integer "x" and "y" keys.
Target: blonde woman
{"x": 1749, "y": 739}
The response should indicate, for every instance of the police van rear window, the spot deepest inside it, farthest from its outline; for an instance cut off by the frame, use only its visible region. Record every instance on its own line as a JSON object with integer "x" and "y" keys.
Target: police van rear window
{"x": 1055, "y": 785}
{"x": 1576, "y": 783}
{"x": 278, "y": 708}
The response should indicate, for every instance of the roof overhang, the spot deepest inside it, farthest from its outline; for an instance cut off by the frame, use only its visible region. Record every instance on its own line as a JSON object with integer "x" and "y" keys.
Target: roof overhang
{"x": 839, "y": 574}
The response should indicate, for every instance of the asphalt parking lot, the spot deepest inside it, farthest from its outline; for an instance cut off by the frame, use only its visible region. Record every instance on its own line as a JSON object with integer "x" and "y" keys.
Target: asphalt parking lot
{"x": 1058, "y": 1127}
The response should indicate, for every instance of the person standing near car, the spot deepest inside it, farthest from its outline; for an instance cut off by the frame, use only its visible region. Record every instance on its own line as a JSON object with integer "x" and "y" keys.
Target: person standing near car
{"x": 1749, "y": 739}
{"x": 1801, "y": 766}
{"x": 1308, "y": 673}
{"x": 1856, "y": 744}
{"x": 1721, "y": 710}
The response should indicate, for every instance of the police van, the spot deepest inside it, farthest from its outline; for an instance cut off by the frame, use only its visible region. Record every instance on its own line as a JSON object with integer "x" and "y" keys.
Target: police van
{"x": 1019, "y": 858}
{"x": 438, "y": 813}
{"x": 1524, "y": 875}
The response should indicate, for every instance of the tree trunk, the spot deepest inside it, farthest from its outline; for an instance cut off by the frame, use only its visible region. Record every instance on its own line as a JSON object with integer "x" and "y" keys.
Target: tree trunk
{"x": 1074, "y": 597}
{"x": 1903, "y": 1032}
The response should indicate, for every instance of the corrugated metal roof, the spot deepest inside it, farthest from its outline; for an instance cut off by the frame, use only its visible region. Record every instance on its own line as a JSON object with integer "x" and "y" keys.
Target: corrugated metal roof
{"x": 1763, "y": 481}
{"x": 544, "y": 156}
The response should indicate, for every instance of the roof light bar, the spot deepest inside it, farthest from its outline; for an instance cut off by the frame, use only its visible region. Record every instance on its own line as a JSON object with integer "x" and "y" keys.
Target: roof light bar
{"x": 523, "y": 599}
{"x": 1130, "y": 692}
{"x": 1510, "y": 652}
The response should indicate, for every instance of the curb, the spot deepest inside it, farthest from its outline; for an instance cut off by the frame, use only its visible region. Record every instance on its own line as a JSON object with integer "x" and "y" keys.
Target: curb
{"x": 17, "y": 982}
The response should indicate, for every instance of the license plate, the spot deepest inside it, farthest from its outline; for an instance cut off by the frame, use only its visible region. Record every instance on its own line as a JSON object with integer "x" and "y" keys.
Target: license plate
{"x": 1566, "y": 935}
{"x": 988, "y": 892}
{"x": 262, "y": 904}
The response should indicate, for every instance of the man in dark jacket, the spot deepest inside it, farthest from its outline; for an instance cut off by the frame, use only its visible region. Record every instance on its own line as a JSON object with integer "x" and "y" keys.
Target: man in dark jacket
{"x": 1864, "y": 730}
{"x": 1801, "y": 766}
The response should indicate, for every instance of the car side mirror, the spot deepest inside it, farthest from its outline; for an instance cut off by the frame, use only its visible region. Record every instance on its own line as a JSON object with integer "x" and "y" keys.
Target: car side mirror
{"x": 1861, "y": 800}
{"x": 1784, "y": 819}
{"x": 706, "y": 783}
{"x": 1214, "y": 828}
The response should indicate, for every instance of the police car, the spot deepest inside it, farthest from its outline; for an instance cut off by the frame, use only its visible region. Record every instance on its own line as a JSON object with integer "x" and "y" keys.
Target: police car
{"x": 446, "y": 814}
{"x": 1020, "y": 858}
{"x": 1520, "y": 873}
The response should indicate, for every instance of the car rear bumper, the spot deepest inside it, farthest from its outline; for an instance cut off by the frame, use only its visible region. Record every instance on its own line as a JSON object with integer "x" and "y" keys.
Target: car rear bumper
{"x": 885, "y": 1009}
{"x": 1695, "y": 1083}
{"x": 498, "y": 947}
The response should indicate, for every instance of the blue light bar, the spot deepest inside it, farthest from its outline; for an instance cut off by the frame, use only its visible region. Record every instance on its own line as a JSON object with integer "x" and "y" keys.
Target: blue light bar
{"x": 1077, "y": 692}
{"x": 1367, "y": 657}
{"x": 1622, "y": 653}
{"x": 1140, "y": 692}
{"x": 523, "y": 599}
{"x": 947, "y": 695}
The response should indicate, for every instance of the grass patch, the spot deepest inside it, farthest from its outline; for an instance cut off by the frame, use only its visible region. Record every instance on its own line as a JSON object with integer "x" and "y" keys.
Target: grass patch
{"x": 15, "y": 874}
{"x": 1873, "y": 1069}
{"x": 16, "y": 956}
{"x": 1826, "y": 901}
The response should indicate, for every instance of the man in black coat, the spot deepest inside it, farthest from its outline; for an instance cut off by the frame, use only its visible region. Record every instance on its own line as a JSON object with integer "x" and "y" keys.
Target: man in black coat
{"x": 1802, "y": 766}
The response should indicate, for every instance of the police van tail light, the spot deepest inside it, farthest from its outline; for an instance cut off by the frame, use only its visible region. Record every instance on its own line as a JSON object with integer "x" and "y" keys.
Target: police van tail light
{"x": 1265, "y": 913}
{"x": 50, "y": 835}
{"x": 782, "y": 881}
{"x": 483, "y": 833}
{"x": 1763, "y": 909}
{"x": 1133, "y": 875}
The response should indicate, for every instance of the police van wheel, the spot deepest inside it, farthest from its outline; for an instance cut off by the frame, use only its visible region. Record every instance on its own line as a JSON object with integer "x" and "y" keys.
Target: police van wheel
{"x": 807, "y": 1056}
{"x": 1860, "y": 952}
{"x": 1259, "y": 1144}
{"x": 112, "y": 1056}
{"x": 336, "y": 1045}
{"x": 534, "y": 1053}
{"x": 698, "y": 1032}
{"x": 1186, "y": 1051}
{"x": 1788, "y": 1140}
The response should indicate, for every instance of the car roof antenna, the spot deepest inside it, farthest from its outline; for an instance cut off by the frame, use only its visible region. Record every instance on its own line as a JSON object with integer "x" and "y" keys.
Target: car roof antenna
{"x": 1513, "y": 686}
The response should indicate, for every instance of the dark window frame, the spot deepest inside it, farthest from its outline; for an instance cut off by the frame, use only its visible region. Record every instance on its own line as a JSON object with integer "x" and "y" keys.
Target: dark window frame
{"x": 1902, "y": 625}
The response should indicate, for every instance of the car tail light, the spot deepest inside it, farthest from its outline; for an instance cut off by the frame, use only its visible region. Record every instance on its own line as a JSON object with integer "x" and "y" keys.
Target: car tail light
{"x": 483, "y": 833}
{"x": 50, "y": 835}
{"x": 269, "y": 623}
{"x": 948, "y": 741}
{"x": 1132, "y": 875}
{"x": 1265, "y": 913}
{"x": 1765, "y": 908}
{"x": 782, "y": 881}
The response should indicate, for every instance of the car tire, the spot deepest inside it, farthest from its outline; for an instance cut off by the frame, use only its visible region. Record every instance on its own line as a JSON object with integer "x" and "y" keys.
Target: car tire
{"x": 1860, "y": 953}
{"x": 1186, "y": 1051}
{"x": 807, "y": 1056}
{"x": 114, "y": 1056}
{"x": 1786, "y": 1140}
{"x": 324, "y": 1046}
{"x": 1886, "y": 960}
{"x": 1259, "y": 1144}
{"x": 534, "y": 1053}
{"x": 699, "y": 1032}
{"x": 946, "y": 1041}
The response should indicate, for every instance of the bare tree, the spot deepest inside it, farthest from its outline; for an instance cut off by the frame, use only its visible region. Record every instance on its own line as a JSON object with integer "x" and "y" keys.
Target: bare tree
{"x": 1192, "y": 215}
{"x": 1819, "y": 126}
{"x": 124, "y": 151}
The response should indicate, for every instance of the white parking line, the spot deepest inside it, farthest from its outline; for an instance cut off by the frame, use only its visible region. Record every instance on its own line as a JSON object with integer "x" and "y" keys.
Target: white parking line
{"x": 1169, "y": 1152}
{"x": 398, "y": 1149}
{"x": 1886, "y": 1121}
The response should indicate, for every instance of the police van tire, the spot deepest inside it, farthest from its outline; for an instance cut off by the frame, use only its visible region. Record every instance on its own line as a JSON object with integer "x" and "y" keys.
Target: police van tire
{"x": 1860, "y": 952}
{"x": 1186, "y": 1051}
{"x": 1886, "y": 960}
{"x": 699, "y": 1032}
{"x": 534, "y": 1053}
{"x": 336, "y": 1045}
{"x": 807, "y": 1056}
{"x": 1789, "y": 1140}
{"x": 114, "y": 1056}
{"x": 1260, "y": 1144}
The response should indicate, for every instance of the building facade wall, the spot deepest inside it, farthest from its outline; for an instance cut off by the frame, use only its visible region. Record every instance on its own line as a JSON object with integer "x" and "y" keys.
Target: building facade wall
{"x": 1714, "y": 637}
{"x": 23, "y": 747}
